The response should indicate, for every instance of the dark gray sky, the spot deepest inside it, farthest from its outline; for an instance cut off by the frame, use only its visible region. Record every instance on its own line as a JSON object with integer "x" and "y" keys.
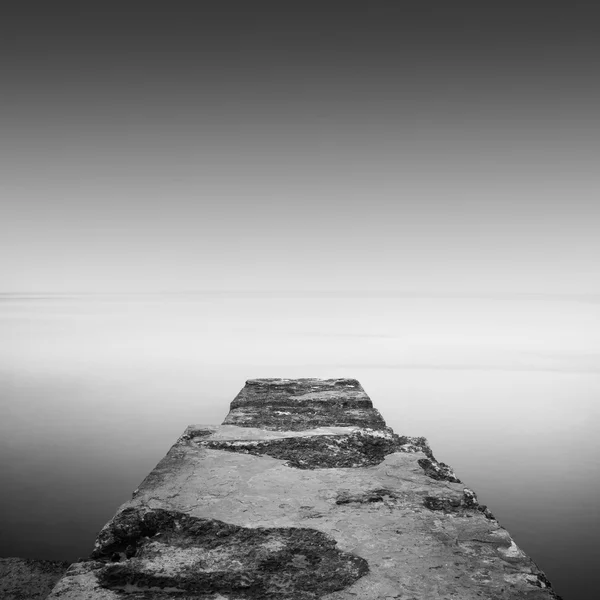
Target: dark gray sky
{"x": 441, "y": 147}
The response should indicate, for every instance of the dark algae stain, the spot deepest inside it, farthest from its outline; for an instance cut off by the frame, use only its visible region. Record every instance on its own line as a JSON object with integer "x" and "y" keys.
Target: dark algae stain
{"x": 468, "y": 501}
{"x": 358, "y": 449}
{"x": 362, "y": 448}
{"x": 169, "y": 554}
{"x": 438, "y": 470}
{"x": 367, "y": 497}
{"x": 433, "y": 468}
{"x": 300, "y": 404}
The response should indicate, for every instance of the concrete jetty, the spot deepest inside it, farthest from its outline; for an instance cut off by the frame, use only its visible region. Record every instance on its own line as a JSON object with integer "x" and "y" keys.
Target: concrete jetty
{"x": 303, "y": 493}
{"x": 28, "y": 579}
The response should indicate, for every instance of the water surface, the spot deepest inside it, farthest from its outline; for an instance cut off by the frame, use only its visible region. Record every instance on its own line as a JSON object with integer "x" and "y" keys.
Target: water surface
{"x": 94, "y": 391}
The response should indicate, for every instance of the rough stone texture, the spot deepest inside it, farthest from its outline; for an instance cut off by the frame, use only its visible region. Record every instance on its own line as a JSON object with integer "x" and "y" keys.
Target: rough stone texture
{"x": 209, "y": 557}
{"x": 320, "y": 510}
{"x": 299, "y": 404}
{"x": 25, "y": 579}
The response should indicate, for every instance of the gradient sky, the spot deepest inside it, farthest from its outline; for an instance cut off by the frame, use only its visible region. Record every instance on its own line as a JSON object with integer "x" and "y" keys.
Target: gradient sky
{"x": 404, "y": 146}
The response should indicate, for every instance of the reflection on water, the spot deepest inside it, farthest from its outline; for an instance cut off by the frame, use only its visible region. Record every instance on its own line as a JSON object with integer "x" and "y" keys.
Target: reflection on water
{"x": 94, "y": 392}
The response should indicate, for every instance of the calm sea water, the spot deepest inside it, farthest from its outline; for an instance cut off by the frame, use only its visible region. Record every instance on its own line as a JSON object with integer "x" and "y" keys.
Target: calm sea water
{"x": 94, "y": 391}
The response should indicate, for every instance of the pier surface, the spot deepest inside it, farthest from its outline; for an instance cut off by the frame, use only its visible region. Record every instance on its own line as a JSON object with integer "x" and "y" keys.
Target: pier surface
{"x": 27, "y": 579}
{"x": 303, "y": 493}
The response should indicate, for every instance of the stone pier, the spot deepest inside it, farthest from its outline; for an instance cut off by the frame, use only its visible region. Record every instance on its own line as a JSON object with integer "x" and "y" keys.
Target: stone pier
{"x": 303, "y": 493}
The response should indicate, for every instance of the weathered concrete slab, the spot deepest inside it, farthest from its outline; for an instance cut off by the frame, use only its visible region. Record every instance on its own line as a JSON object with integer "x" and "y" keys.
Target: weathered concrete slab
{"x": 329, "y": 508}
{"x": 27, "y": 579}
{"x": 299, "y": 404}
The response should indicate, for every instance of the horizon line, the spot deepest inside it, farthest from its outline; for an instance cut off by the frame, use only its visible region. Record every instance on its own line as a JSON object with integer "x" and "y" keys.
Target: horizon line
{"x": 353, "y": 293}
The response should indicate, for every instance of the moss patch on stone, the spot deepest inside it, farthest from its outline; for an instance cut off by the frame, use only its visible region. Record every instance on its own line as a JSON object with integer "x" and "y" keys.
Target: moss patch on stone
{"x": 357, "y": 449}
{"x": 362, "y": 448}
{"x": 196, "y": 433}
{"x": 301, "y": 418}
{"x": 300, "y": 404}
{"x": 438, "y": 470}
{"x": 367, "y": 497}
{"x": 448, "y": 504}
{"x": 171, "y": 553}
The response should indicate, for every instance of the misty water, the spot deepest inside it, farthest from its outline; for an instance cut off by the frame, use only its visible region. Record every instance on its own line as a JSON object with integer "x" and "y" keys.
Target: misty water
{"x": 94, "y": 391}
